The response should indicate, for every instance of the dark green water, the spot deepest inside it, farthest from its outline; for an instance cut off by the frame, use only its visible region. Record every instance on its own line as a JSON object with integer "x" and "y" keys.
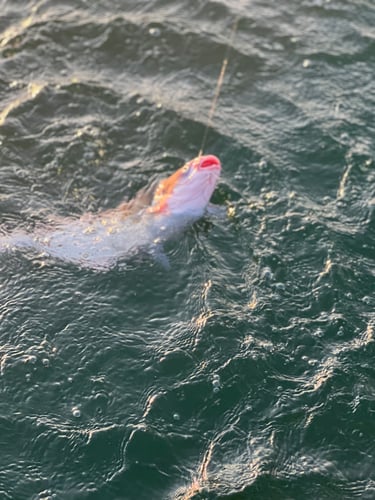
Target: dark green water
{"x": 247, "y": 370}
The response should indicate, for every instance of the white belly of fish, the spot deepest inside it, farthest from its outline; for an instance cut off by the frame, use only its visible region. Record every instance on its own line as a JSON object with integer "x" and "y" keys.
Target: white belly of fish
{"x": 97, "y": 242}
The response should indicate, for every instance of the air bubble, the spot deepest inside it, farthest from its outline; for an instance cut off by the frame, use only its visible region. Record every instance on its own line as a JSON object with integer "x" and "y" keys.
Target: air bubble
{"x": 76, "y": 412}
{"x": 262, "y": 163}
{"x": 344, "y": 137}
{"x": 279, "y": 287}
{"x": 154, "y": 32}
{"x": 216, "y": 383}
{"x": 318, "y": 332}
{"x": 266, "y": 274}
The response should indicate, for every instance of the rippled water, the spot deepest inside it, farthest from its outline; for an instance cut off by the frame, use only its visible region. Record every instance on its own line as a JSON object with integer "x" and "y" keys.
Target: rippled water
{"x": 247, "y": 369}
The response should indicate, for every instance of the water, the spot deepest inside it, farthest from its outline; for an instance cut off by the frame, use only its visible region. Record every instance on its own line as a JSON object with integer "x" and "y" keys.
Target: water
{"x": 246, "y": 371}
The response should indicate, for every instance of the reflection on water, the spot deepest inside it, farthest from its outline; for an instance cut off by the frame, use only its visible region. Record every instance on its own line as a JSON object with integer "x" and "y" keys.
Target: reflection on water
{"x": 32, "y": 90}
{"x": 10, "y": 35}
{"x": 245, "y": 370}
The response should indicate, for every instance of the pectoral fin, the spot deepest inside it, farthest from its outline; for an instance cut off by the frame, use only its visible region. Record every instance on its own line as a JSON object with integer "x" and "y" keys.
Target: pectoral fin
{"x": 158, "y": 254}
{"x": 217, "y": 211}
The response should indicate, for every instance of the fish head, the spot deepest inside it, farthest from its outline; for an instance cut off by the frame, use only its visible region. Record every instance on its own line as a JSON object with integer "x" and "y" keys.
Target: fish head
{"x": 189, "y": 189}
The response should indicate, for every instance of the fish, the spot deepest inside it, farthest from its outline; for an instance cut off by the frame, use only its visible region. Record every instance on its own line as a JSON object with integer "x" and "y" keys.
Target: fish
{"x": 101, "y": 240}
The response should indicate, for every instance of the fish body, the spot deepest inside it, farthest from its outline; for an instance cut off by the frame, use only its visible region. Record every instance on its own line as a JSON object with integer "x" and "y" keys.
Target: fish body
{"x": 100, "y": 240}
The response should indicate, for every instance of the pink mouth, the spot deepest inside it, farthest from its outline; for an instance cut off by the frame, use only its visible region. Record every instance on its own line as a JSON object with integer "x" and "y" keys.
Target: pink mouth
{"x": 209, "y": 161}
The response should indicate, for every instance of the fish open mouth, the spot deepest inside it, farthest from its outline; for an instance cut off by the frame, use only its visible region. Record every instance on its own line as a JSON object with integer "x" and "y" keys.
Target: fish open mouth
{"x": 209, "y": 161}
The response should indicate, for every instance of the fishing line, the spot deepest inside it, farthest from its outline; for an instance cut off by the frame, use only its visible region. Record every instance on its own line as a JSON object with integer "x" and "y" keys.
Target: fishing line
{"x": 219, "y": 84}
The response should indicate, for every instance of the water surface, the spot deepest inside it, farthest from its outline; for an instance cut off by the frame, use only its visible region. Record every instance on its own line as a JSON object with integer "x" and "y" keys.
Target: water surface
{"x": 246, "y": 370}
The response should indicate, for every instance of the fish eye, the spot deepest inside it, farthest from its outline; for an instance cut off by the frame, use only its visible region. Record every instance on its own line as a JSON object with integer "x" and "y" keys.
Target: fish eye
{"x": 185, "y": 169}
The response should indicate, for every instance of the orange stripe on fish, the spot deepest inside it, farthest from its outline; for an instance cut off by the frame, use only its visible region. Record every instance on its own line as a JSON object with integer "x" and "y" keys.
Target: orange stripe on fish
{"x": 164, "y": 191}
